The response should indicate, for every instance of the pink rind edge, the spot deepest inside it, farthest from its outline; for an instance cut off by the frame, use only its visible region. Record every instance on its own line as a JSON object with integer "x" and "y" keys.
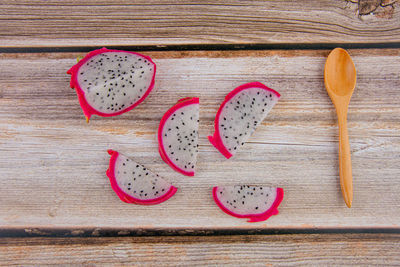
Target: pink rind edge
{"x": 88, "y": 110}
{"x": 181, "y": 103}
{"x": 127, "y": 198}
{"x": 252, "y": 217}
{"x": 215, "y": 139}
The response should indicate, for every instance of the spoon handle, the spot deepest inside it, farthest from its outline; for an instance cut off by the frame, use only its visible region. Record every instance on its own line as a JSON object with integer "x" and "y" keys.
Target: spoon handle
{"x": 346, "y": 178}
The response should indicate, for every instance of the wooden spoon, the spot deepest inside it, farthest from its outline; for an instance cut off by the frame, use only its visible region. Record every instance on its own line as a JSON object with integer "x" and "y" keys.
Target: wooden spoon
{"x": 340, "y": 80}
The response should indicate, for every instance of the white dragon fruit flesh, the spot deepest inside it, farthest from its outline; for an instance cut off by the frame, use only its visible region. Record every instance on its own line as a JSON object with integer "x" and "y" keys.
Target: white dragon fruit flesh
{"x": 239, "y": 115}
{"x": 134, "y": 183}
{"x": 257, "y": 203}
{"x": 111, "y": 82}
{"x": 178, "y": 136}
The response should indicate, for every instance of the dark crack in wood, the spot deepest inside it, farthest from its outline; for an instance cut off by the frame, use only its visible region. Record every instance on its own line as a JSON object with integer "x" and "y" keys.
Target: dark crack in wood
{"x": 387, "y": 2}
{"x": 366, "y": 7}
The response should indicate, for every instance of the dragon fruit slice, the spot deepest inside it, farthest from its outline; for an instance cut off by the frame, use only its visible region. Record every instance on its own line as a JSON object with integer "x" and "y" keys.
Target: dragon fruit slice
{"x": 178, "y": 135}
{"x": 111, "y": 82}
{"x": 257, "y": 203}
{"x": 134, "y": 183}
{"x": 239, "y": 115}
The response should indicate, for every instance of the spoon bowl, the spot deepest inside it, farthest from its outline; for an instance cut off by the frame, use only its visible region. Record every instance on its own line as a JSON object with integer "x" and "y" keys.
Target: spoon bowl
{"x": 340, "y": 81}
{"x": 340, "y": 73}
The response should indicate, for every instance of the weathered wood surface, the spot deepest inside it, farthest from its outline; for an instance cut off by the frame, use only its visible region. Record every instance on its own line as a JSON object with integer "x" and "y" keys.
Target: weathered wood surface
{"x": 275, "y": 250}
{"x": 53, "y": 164}
{"x": 36, "y": 23}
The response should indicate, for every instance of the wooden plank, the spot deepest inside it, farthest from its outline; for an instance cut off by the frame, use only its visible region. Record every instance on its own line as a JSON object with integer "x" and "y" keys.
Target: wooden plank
{"x": 273, "y": 250}
{"x": 53, "y": 163}
{"x": 69, "y": 23}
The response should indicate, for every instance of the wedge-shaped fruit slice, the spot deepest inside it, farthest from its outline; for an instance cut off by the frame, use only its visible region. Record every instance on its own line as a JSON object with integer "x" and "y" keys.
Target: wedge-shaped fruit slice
{"x": 111, "y": 82}
{"x": 239, "y": 115}
{"x": 257, "y": 203}
{"x": 134, "y": 183}
{"x": 178, "y": 136}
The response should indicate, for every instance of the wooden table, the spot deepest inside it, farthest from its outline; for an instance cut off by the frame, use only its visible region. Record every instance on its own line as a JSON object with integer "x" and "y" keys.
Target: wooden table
{"x": 56, "y": 205}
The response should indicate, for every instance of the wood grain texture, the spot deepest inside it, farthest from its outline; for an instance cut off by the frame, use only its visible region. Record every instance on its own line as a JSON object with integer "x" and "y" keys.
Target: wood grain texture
{"x": 53, "y": 164}
{"x": 285, "y": 250}
{"x": 153, "y": 22}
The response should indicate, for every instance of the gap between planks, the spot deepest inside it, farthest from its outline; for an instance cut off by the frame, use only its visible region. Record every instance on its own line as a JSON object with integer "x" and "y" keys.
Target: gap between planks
{"x": 204, "y": 47}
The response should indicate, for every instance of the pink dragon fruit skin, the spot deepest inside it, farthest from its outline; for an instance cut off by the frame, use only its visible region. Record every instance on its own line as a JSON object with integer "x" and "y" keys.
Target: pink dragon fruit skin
{"x": 152, "y": 180}
{"x": 126, "y": 87}
{"x": 232, "y": 206}
{"x": 255, "y": 89}
{"x": 183, "y": 147}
